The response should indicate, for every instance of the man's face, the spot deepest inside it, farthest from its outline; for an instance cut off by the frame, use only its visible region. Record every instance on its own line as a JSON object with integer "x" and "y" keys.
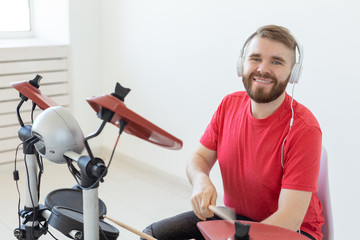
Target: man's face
{"x": 267, "y": 69}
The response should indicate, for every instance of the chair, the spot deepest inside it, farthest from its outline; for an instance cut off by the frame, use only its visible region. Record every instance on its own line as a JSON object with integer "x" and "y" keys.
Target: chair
{"x": 324, "y": 196}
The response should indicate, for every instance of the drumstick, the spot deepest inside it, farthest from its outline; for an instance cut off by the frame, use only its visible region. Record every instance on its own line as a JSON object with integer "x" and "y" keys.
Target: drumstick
{"x": 131, "y": 229}
{"x": 221, "y": 213}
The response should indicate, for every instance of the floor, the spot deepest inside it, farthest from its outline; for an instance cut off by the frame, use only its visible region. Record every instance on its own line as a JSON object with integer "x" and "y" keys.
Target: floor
{"x": 134, "y": 194}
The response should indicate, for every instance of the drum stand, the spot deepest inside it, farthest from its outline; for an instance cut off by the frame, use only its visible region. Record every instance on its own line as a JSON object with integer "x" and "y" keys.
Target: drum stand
{"x": 90, "y": 173}
{"x": 71, "y": 223}
{"x": 86, "y": 225}
{"x": 82, "y": 223}
{"x": 92, "y": 170}
{"x": 32, "y": 213}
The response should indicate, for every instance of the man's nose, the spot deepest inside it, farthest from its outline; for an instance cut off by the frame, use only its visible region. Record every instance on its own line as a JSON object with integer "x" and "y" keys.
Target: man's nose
{"x": 264, "y": 67}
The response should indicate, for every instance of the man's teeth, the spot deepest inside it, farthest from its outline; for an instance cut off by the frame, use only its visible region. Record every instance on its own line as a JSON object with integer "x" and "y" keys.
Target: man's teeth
{"x": 262, "y": 81}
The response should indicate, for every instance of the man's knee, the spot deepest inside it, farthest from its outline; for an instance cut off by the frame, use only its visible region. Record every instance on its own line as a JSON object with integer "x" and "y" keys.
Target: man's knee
{"x": 148, "y": 231}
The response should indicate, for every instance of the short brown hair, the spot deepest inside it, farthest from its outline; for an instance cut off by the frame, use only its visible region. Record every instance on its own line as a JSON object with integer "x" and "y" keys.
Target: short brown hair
{"x": 277, "y": 33}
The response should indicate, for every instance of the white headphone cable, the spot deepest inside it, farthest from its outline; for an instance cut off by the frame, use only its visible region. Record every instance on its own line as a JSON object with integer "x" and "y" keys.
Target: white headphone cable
{"x": 291, "y": 123}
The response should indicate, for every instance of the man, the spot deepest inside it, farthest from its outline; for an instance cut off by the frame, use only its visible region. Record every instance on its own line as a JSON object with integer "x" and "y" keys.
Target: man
{"x": 267, "y": 144}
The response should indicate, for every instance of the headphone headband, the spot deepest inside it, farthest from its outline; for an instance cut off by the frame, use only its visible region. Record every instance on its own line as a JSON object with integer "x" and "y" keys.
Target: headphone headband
{"x": 295, "y": 71}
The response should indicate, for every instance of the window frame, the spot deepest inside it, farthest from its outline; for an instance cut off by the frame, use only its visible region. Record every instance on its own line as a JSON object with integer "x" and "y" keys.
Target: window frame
{"x": 22, "y": 34}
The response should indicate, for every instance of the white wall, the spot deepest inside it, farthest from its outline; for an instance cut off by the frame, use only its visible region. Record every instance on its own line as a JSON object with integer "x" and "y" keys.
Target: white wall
{"x": 51, "y": 20}
{"x": 178, "y": 57}
{"x": 85, "y": 55}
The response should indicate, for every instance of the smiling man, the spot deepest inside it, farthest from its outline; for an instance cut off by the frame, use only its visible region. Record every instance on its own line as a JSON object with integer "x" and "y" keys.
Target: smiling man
{"x": 268, "y": 147}
{"x": 267, "y": 63}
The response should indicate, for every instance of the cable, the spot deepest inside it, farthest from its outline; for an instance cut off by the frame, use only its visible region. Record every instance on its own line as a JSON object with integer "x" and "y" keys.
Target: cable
{"x": 30, "y": 194}
{"x": 291, "y": 106}
{"x": 18, "y": 112}
{"x": 113, "y": 151}
{"x": 107, "y": 167}
{"x": 32, "y": 112}
{"x": 16, "y": 178}
{"x": 74, "y": 172}
{"x": 122, "y": 127}
{"x": 49, "y": 232}
{"x": 30, "y": 143}
{"x": 291, "y": 123}
{"x": 19, "y": 202}
{"x": 41, "y": 171}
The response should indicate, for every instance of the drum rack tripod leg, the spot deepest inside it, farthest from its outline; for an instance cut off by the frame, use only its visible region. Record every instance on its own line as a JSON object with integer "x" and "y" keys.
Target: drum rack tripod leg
{"x": 91, "y": 214}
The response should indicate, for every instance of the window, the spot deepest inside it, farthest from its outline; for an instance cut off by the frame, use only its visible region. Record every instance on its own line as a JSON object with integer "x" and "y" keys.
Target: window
{"x": 15, "y": 18}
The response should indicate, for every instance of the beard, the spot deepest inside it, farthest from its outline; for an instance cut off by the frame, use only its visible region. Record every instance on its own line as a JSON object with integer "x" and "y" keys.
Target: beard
{"x": 261, "y": 94}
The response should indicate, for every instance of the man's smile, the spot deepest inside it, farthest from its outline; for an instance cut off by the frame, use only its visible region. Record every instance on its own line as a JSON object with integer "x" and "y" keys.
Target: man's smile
{"x": 262, "y": 81}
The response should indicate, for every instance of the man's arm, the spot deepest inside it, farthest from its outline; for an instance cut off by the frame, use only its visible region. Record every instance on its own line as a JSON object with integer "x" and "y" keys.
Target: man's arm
{"x": 204, "y": 192}
{"x": 293, "y": 205}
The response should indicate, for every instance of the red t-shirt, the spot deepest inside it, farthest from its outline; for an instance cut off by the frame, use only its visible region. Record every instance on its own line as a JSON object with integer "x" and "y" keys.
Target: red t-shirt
{"x": 249, "y": 155}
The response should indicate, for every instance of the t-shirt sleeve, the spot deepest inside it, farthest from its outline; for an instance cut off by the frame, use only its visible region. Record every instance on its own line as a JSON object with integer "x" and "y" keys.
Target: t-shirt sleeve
{"x": 210, "y": 137}
{"x": 302, "y": 160}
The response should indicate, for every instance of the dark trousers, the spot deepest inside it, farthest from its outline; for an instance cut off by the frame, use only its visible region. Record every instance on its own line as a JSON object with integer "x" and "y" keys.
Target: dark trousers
{"x": 183, "y": 226}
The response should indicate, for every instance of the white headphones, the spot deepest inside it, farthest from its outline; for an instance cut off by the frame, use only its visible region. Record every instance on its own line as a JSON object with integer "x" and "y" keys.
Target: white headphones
{"x": 295, "y": 71}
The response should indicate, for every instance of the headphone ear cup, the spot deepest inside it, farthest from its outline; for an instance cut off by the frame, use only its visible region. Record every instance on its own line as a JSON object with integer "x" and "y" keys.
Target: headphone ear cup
{"x": 295, "y": 73}
{"x": 240, "y": 64}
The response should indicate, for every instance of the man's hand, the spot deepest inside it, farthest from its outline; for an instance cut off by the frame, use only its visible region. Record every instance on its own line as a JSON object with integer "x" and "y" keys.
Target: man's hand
{"x": 203, "y": 195}
{"x": 204, "y": 192}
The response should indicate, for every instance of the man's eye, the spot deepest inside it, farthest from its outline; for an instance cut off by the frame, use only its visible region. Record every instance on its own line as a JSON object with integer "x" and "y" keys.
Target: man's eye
{"x": 255, "y": 59}
{"x": 277, "y": 63}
